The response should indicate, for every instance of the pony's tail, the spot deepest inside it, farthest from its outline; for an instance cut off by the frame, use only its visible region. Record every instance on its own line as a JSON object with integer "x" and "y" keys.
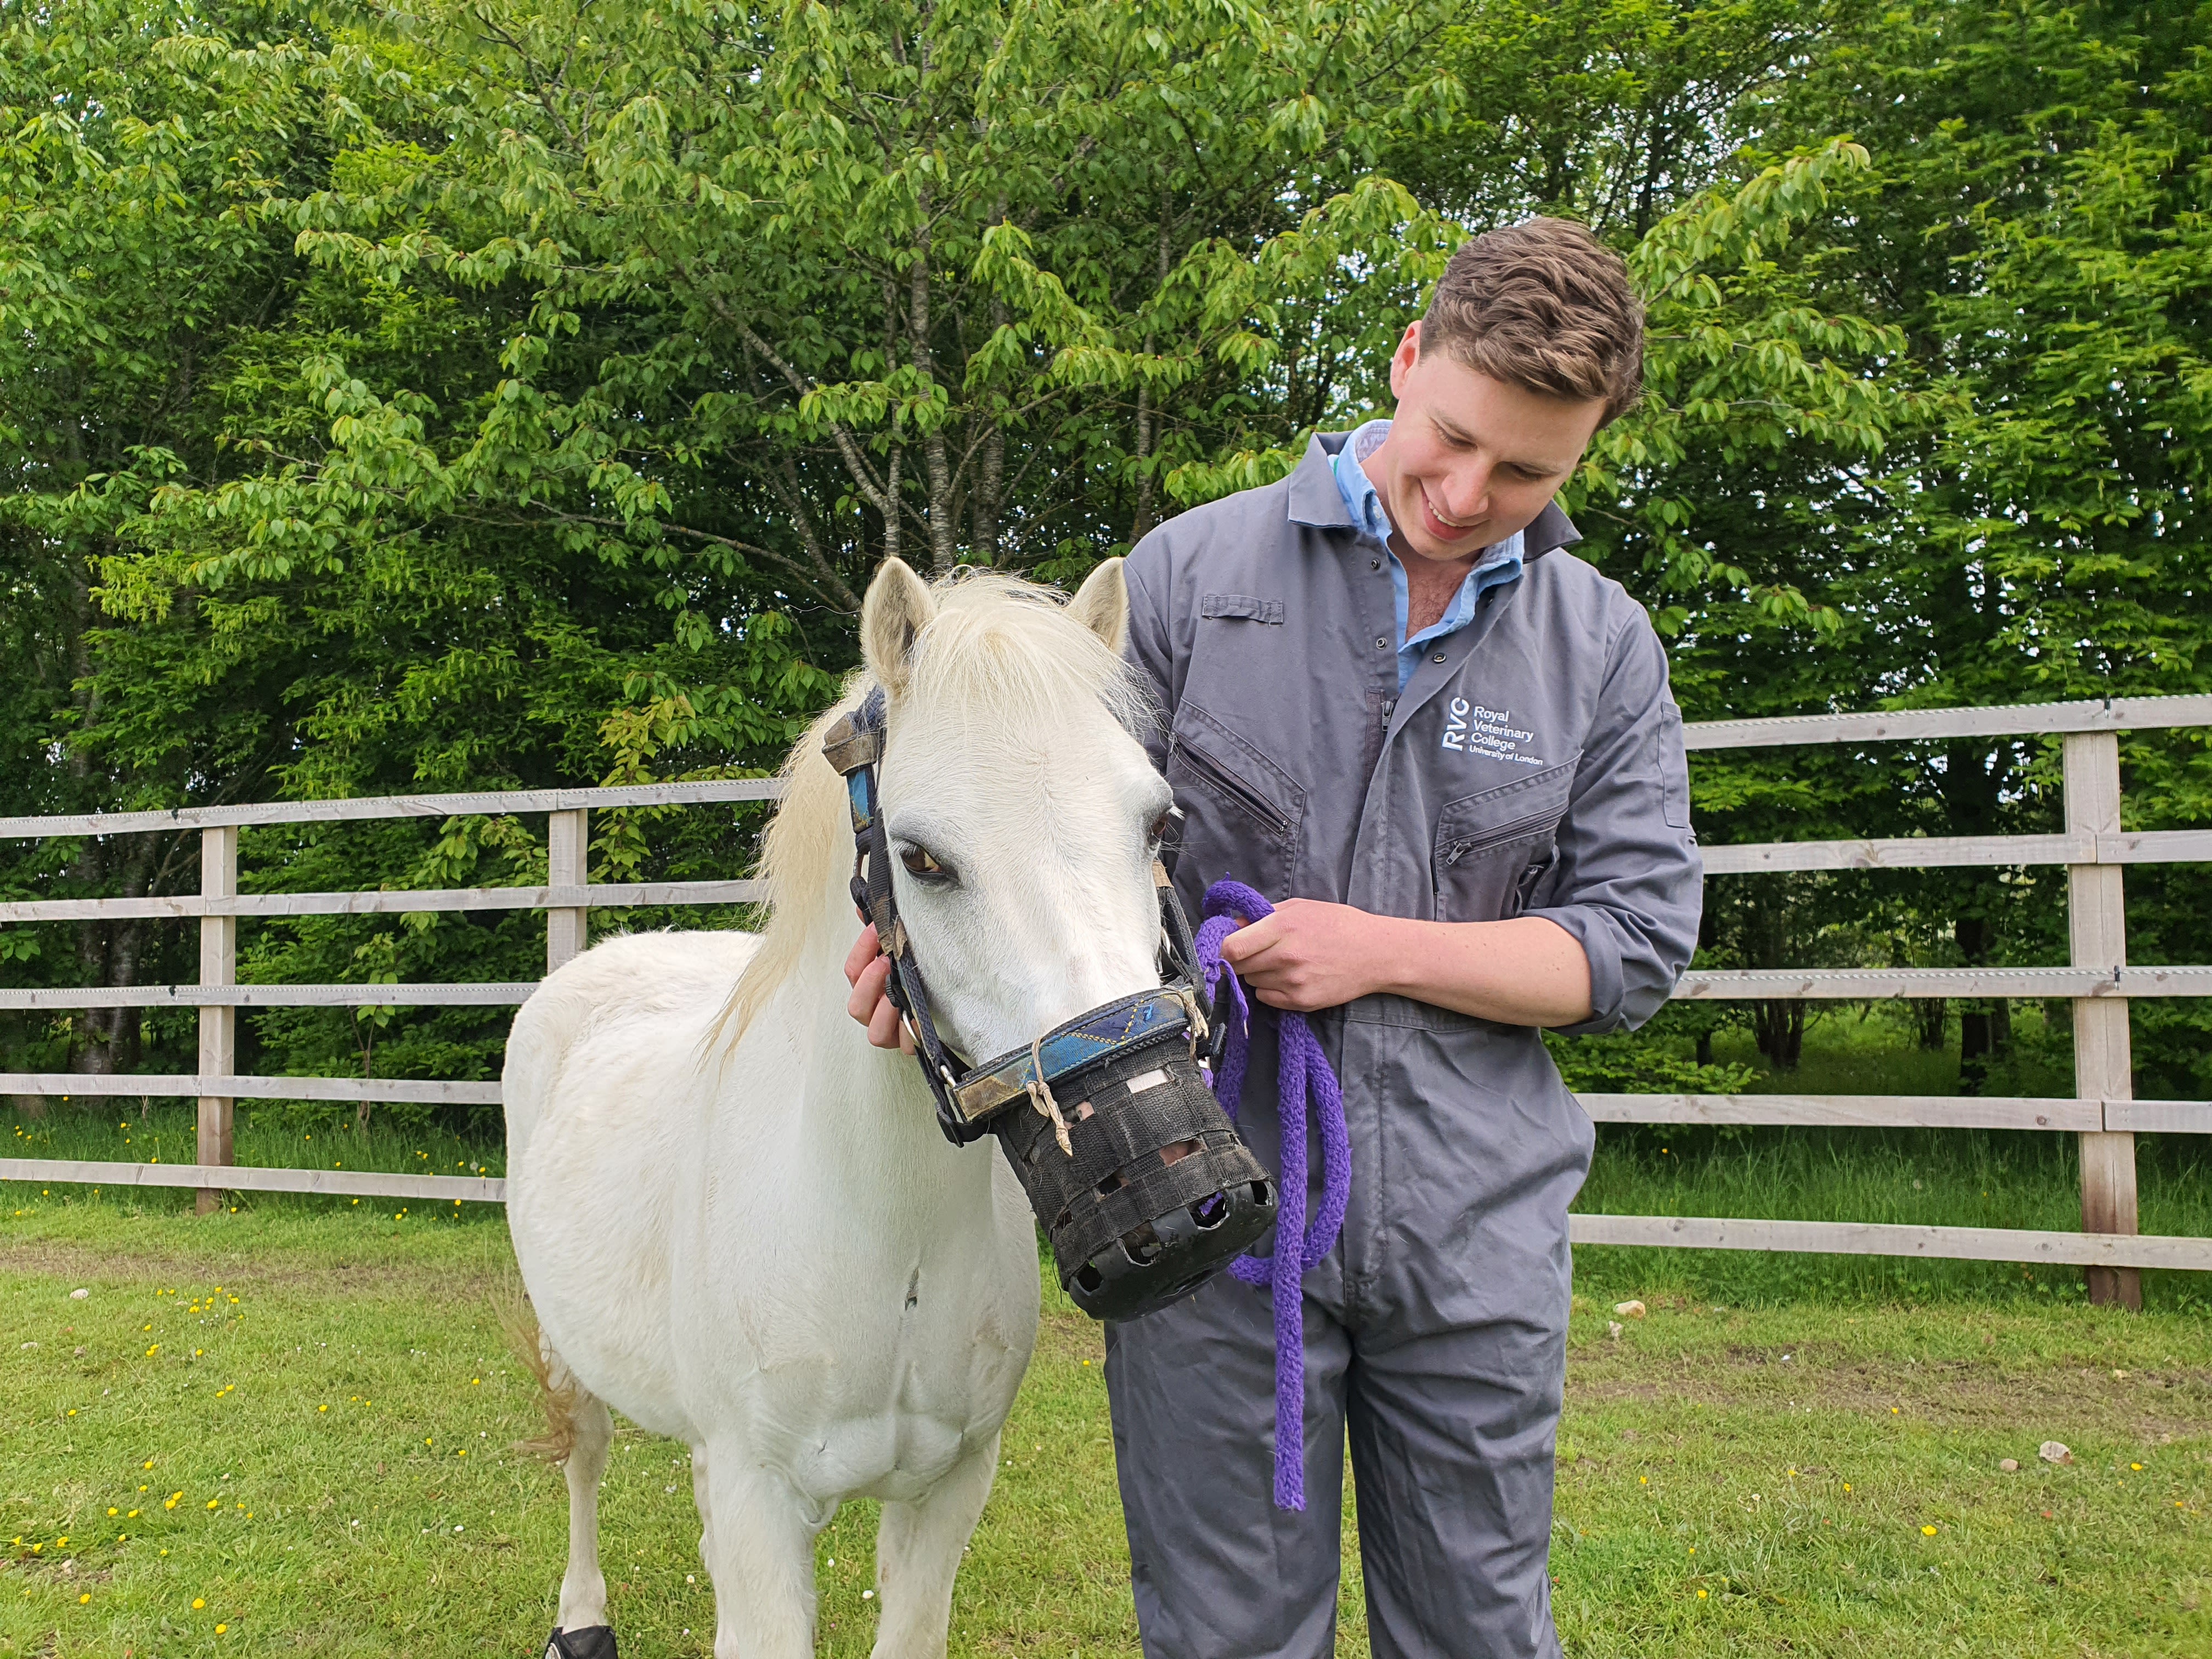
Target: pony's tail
{"x": 560, "y": 1395}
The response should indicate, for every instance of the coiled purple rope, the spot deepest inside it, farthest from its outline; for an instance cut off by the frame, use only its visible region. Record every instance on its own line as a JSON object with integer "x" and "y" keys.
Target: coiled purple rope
{"x": 1305, "y": 1077}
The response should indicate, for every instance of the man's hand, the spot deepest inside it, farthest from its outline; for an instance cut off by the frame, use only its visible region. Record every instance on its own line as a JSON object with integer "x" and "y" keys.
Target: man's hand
{"x": 1308, "y": 955}
{"x": 1311, "y": 954}
{"x": 867, "y": 970}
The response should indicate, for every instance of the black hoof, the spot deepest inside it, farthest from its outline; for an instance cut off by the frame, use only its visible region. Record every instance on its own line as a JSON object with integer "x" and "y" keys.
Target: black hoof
{"x": 597, "y": 1641}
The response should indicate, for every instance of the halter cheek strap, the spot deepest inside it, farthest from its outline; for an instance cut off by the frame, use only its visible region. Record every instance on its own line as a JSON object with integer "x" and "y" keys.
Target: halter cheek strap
{"x": 969, "y": 1098}
{"x": 854, "y": 746}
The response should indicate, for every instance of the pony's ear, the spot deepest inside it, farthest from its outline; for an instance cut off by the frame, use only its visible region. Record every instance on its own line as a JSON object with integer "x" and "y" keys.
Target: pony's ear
{"x": 898, "y": 608}
{"x": 1101, "y": 605}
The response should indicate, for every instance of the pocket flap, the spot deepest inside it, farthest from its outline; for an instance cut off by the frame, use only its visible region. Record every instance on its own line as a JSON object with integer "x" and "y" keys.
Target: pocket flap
{"x": 1205, "y": 749}
{"x": 1242, "y": 607}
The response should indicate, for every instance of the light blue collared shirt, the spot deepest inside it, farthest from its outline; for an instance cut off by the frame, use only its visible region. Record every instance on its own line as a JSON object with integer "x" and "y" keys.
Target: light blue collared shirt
{"x": 1500, "y": 564}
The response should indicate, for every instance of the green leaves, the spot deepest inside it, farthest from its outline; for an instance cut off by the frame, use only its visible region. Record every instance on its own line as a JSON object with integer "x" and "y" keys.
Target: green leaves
{"x": 511, "y": 393}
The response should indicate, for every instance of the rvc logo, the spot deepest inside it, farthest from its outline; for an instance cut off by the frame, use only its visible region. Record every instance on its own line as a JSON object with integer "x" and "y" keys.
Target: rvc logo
{"x": 1455, "y": 725}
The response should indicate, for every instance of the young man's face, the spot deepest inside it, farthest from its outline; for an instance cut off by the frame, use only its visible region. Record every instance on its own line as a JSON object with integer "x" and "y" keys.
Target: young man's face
{"x": 1469, "y": 460}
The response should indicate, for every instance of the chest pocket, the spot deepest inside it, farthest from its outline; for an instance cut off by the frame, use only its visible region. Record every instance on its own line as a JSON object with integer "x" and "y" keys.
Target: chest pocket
{"x": 1493, "y": 846}
{"x": 1240, "y": 607}
{"x": 1241, "y": 811}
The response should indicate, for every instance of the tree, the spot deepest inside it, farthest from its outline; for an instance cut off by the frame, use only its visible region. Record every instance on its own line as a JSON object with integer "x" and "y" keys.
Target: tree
{"x": 136, "y": 243}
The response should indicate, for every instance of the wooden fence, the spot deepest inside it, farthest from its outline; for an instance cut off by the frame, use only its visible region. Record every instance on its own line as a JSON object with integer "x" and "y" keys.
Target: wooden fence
{"x": 2100, "y": 984}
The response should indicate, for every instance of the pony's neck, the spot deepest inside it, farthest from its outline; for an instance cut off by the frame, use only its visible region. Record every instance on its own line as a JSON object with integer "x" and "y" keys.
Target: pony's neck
{"x": 851, "y": 1084}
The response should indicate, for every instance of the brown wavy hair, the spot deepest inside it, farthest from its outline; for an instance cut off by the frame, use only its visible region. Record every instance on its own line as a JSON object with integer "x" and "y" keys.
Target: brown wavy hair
{"x": 1545, "y": 306}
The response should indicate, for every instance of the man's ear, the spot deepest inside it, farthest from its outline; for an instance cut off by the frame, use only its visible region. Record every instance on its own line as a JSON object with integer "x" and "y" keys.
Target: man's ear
{"x": 898, "y": 608}
{"x": 1101, "y": 605}
{"x": 1403, "y": 359}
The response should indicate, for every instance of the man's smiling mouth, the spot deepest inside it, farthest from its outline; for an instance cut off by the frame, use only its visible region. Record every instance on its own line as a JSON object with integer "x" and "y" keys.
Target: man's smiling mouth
{"x": 1442, "y": 525}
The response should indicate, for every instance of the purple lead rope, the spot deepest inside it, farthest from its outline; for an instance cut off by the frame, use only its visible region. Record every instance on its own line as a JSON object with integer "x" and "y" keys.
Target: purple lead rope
{"x": 1304, "y": 1077}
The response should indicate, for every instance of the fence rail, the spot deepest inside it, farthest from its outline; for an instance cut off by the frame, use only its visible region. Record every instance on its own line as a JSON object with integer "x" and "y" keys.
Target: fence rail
{"x": 2099, "y": 983}
{"x": 410, "y": 996}
{"x": 1873, "y": 984}
{"x": 2019, "y": 720}
{"x": 1932, "y": 852}
{"x": 2103, "y": 1252}
{"x": 245, "y": 1178}
{"x": 132, "y": 1085}
{"x": 389, "y": 900}
{"x": 705, "y": 793}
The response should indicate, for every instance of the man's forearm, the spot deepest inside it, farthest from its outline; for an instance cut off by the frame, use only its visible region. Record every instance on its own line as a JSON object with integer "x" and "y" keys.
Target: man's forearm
{"x": 1524, "y": 971}
{"x": 1311, "y": 954}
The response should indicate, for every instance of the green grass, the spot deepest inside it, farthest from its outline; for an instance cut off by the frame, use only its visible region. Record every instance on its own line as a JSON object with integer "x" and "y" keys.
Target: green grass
{"x": 1905, "y": 1381}
{"x": 326, "y": 1410}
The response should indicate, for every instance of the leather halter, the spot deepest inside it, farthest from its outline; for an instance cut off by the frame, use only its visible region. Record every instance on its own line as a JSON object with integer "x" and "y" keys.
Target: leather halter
{"x": 968, "y": 1096}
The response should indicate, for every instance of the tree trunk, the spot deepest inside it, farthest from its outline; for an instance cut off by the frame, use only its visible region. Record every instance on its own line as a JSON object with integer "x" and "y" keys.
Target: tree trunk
{"x": 990, "y": 464}
{"x": 893, "y": 525}
{"x": 1147, "y": 485}
{"x": 936, "y": 461}
{"x": 108, "y": 951}
{"x": 1142, "y": 526}
{"x": 1932, "y": 1017}
{"x": 1778, "y": 1025}
{"x": 1985, "y": 1026}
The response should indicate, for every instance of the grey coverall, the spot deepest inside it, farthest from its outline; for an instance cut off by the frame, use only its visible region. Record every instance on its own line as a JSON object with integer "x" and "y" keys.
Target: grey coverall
{"x": 1532, "y": 766}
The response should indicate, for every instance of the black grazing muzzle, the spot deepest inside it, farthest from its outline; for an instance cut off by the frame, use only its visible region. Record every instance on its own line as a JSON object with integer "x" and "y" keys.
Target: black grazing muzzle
{"x": 1134, "y": 1170}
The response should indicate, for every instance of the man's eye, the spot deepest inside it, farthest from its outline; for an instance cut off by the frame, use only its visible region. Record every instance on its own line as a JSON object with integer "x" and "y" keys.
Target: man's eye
{"x": 919, "y": 863}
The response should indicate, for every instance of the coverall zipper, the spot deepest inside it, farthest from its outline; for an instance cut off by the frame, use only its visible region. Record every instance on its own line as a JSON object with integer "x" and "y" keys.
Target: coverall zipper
{"x": 1497, "y": 837}
{"x": 1232, "y": 786}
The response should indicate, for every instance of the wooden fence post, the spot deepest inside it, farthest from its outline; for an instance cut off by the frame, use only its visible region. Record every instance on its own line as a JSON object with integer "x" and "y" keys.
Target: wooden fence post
{"x": 218, "y": 1026}
{"x": 2098, "y": 924}
{"x": 567, "y": 839}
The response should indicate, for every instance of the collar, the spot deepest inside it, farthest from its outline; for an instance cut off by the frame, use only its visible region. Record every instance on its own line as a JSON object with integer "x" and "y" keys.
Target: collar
{"x": 1315, "y": 500}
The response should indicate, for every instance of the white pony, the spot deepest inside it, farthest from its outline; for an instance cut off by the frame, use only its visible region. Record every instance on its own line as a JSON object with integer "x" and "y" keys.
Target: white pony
{"x": 738, "y": 1223}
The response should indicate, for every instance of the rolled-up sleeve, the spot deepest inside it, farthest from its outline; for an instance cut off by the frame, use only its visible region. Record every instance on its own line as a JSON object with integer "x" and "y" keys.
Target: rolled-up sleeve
{"x": 1628, "y": 882}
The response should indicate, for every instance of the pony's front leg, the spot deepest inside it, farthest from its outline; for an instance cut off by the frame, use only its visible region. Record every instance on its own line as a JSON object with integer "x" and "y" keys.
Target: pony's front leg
{"x": 918, "y": 1549}
{"x": 758, "y": 1544}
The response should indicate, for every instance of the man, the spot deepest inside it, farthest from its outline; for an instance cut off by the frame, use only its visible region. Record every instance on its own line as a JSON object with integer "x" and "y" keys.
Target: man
{"x": 1445, "y": 748}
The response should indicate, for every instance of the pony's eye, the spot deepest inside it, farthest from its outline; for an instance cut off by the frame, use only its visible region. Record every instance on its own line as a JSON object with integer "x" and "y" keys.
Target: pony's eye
{"x": 1163, "y": 825}
{"x": 921, "y": 865}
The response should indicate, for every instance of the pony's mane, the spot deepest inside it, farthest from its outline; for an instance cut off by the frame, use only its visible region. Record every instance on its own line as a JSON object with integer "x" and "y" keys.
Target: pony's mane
{"x": 998, "y": 650}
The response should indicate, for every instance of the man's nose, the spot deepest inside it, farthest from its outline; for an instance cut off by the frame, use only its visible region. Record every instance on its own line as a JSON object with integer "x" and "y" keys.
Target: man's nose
{"x": 1467, "y": 494}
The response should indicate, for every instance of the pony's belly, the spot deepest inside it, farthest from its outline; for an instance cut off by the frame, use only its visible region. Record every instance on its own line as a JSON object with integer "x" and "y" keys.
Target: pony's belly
{"x": 899, "y": 1458}
{"x": 835, "y": 1442}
